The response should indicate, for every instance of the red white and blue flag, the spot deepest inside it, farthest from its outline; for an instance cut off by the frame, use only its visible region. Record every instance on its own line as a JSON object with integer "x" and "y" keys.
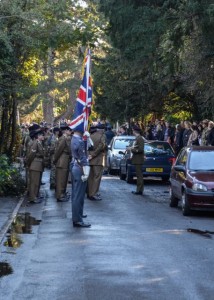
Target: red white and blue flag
{"x": 84, "y": 99}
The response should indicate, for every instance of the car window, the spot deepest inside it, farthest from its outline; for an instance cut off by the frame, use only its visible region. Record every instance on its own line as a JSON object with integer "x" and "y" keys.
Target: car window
{"x": 201, "y": 161}
{"x": 182, "y": 159}
{"x": 160, "y": 148}
{"x": 123, "y": 143}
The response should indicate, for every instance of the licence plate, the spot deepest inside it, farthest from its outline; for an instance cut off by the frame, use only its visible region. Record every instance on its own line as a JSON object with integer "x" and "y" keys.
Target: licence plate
{"x": 152, "y": 170}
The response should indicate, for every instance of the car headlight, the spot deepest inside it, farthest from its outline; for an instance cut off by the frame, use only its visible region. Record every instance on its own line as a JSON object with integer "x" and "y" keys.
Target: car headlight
{"x": 198, "y": 187}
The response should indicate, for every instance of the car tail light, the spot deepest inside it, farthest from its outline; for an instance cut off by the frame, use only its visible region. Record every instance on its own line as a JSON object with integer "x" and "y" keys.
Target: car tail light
{"x": 172, "y": 160}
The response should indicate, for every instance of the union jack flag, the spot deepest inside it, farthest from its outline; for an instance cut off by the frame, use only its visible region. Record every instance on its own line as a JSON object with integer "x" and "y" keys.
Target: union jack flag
{"x": 84, "y": 99}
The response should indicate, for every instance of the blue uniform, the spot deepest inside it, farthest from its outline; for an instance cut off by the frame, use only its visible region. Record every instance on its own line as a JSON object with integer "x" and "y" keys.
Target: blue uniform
{"x": 79, "y": 159}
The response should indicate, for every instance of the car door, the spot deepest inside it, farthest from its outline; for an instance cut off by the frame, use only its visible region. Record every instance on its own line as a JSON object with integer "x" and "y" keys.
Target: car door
{"x": 178, "y": 177}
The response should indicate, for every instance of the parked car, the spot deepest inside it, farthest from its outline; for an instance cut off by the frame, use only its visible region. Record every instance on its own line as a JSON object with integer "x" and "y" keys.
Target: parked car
{"x": 192, "y": 179}
{"x": 159, "y": 157}
{"x": 118, "y": 144}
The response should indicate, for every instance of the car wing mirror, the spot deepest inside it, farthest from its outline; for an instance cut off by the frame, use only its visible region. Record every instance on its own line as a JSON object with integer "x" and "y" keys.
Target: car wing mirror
{"x": 109, "y": 147}
{"x": 180, "y": 168}
{"x": 121, "y": 152}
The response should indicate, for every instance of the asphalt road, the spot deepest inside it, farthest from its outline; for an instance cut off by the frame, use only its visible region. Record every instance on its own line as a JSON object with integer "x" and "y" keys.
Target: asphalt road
{"x": 137, "y": 248}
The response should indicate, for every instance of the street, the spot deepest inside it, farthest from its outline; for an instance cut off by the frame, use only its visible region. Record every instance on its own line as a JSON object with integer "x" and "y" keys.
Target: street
{"x": 137, "y": 248}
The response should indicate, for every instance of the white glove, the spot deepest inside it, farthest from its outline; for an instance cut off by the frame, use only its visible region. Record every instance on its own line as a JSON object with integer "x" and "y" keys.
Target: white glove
{"x": 86, "y": 171}
{"x": 90, "y": 142}
{"x": 86, "y": 133}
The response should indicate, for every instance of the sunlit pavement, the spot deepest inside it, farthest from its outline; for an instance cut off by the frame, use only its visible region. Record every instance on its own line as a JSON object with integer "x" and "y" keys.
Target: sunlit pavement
{"x": 137, "y": 248}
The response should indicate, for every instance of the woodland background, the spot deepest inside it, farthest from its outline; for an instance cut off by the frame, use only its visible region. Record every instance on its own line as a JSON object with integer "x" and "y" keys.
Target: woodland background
{"x": 149, "y": 59}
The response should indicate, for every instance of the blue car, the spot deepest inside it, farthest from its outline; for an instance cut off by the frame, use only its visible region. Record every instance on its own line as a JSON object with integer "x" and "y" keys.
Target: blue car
{"x": 159, "y": 158}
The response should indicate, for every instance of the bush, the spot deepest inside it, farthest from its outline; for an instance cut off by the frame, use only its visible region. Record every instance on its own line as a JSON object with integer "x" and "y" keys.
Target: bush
{"x": 11, "y": 181}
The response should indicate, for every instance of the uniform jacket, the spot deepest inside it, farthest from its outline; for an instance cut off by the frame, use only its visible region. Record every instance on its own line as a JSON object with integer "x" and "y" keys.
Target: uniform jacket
{"x": 98, "y": 153}
{"x": 35, "y": 157}
{"x": 138, "y": 151}
{"x": 62, "y": 153}
{"x": 78, "y": 152}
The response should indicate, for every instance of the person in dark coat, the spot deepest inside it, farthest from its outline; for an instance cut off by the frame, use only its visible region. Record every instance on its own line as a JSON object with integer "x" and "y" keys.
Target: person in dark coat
{"x": 169, "y": 133}
{"x": 159, "y": 133}
{"x": 109, "y": 134}
{"x": 187, "y": 132}
{"x": 210, "y": 136}
{"x": 178, "y": 142}
{"x": 148, "y": 132}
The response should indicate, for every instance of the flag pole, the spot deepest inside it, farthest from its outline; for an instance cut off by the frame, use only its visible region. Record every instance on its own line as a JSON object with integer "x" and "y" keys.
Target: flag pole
{"x": 87, "y": 86}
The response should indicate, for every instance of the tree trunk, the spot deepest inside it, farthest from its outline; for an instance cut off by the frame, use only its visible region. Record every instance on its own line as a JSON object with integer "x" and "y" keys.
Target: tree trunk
{"x": 13, "y": 126}
{"x": 48, "y": 103}
{"x": 4, "y": 124}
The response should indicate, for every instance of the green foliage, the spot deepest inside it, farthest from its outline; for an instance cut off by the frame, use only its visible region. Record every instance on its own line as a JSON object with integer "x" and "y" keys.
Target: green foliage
{"x": 169, "y": 47}
{"x": 11, "y": 181}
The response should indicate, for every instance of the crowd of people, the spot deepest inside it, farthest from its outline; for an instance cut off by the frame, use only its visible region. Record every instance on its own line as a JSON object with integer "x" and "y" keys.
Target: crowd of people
{"x": 78, "y": 157}
{"x": 71, "y": 155}
{"x": 183, "y": 134}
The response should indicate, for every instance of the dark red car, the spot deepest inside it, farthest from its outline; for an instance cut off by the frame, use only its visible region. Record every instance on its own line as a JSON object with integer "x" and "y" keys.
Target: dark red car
{"x": 192, "y": 179}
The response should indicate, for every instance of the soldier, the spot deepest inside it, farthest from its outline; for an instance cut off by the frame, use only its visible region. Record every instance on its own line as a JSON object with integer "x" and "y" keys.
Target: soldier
{"x": 138, "y": 158}
{"x": 52, "y": 144}
{"x": 61, "y": 159}
{"x": 96, "y": 161}
{"x": 47, "y": 134}
{"x": 80, "y": 172}
{"x": 27, "y": 146}
{"x": 34, "y": 162}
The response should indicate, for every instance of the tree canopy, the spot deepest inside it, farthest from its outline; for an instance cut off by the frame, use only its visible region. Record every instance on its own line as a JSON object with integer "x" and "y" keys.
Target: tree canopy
{"x": 166, "y": 53}
{"x": 148, "y": 56}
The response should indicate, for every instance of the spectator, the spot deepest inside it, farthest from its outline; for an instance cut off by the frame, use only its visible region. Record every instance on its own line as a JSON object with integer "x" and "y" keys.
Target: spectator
{"x": 159, "y": 133}
{"x": 162, "y": 123}
{"x": 210, "y": 135}
{"x": 187, "y": 132}
{"x": 148, "y": 132}
{"x": 122, "y": 130}
{"x": 178, "y": 142}
{"x": 109, "y": 135}
{"x": 204, "y": 141}
{"x": 200, "y": 129}
{"x": 193, "y": 138}
{"x": 169, "y": 134}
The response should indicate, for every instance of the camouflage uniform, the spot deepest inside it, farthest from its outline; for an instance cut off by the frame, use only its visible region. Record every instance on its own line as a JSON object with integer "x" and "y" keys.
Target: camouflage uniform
{"x": 53, "y": 143}
{"x": 46, "y": 145}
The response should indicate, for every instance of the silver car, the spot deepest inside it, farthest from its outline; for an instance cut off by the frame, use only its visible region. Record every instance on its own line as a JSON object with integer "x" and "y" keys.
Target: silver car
{"x": 118, "y": 143}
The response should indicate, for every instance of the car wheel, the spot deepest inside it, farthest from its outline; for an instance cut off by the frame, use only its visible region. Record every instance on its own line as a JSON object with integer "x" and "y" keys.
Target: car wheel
{"x": 122, "y": 176}
{"x": 129, "y": 178}
{"x": 110, "y": 171}
{"x": 173, "y": 201}
{"x": 184, "y": 204}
